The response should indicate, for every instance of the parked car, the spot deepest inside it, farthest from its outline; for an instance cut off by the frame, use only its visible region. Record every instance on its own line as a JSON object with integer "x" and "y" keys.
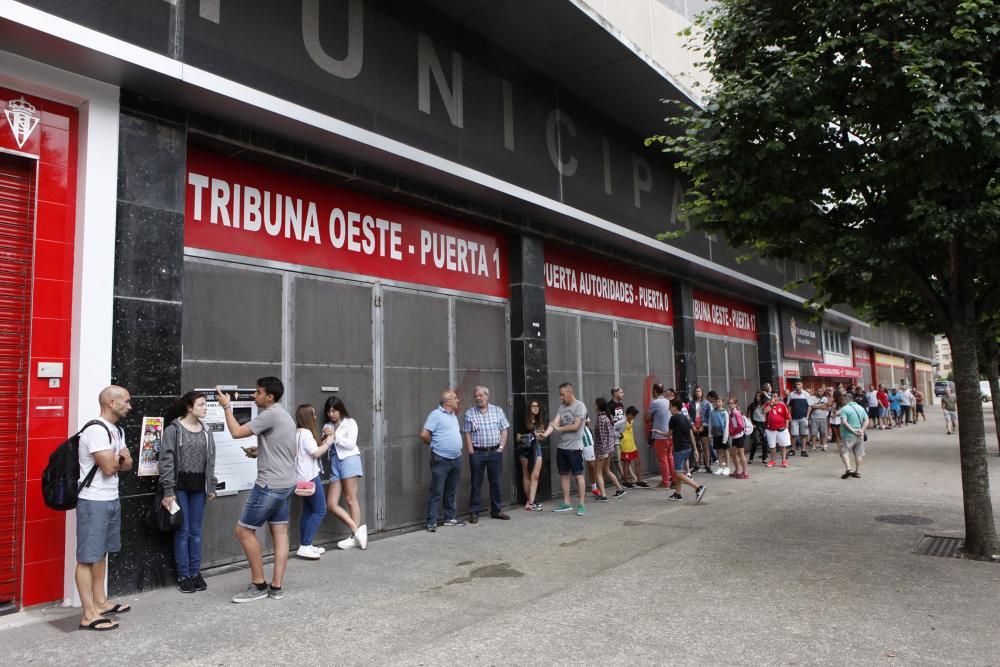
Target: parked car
{"x": 984, "y": 389}
{"x": 941, "y": 385}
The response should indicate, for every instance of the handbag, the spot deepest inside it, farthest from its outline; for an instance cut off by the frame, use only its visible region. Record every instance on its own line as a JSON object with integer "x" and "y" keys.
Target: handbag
{"x": 305, "y": 489}
{"x": 159, "y": 518}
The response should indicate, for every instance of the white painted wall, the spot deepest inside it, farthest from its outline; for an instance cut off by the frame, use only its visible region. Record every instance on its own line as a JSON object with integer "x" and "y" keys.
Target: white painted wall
{"x": 651, "y": 27}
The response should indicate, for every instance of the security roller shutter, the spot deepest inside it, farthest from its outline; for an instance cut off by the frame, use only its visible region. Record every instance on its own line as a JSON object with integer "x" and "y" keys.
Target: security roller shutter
{"x": 16, "y": 243}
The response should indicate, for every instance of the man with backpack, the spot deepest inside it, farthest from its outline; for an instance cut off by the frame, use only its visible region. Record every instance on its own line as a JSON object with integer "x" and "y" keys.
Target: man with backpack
{"x": 102, "y": 454}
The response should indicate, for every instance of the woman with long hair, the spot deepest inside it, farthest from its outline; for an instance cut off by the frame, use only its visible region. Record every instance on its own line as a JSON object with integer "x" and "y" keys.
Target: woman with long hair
{"x": 187, "y": 476}
{"x": 345, "y": 470}
{"x": 698, "y": 411}
{"x": 308, "y": 455}
{"x": 605, "y": 440}
{"x": 738, "y": 439}
{"x": 529, "y": 452}
{"x": 756, "y": 412}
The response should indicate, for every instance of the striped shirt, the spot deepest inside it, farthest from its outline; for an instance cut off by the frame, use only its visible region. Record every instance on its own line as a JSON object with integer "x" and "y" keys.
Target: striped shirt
{"x": 485, "y": 427}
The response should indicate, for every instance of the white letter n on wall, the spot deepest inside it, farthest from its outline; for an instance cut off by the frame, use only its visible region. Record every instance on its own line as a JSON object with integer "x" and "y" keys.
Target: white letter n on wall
{"x": 350, "y": 66}
{"x": 428, "y": 64}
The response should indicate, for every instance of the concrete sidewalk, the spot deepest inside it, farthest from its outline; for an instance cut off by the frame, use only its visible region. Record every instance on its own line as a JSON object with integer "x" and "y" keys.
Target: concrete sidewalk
{"x": 789, "y": 567}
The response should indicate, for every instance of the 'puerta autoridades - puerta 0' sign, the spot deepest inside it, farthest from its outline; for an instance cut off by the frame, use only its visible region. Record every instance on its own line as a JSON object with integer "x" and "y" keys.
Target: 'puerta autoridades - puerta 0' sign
{"x": 583, "y": 282}
{"x": 245, "y": 209}
{"x": 725, "y": 317}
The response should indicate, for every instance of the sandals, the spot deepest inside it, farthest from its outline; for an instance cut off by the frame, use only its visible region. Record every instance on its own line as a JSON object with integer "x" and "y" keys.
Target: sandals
{"x": 100, "y": 625}
{"x": 117, "y": 609}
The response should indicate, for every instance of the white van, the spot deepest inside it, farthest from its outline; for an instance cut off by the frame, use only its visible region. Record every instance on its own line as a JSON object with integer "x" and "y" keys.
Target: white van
{"x": 984, "y": 389}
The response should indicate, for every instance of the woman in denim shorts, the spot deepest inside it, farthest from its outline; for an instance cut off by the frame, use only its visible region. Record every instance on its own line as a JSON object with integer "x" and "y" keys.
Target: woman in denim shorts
{"x": 529, "y": 452}
{"x": 345, "y": 470}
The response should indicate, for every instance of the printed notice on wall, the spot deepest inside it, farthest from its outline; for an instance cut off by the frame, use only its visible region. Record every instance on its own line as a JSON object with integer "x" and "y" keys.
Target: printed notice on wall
{"x": 149, "y": 447}
{"x": 234, "y": 470}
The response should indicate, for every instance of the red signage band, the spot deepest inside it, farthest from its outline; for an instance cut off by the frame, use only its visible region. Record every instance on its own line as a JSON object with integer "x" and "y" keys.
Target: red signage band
{"x": 835, "y": 371}
{"x": 245, "y": 209}
{"x": 725, "y": 317}
{"x": 583, "y": 282}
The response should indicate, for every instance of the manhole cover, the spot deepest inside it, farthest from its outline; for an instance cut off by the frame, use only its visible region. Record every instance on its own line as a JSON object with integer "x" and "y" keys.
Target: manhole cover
{"x": 904, "y": 519}
{"x": 934, "y": 545}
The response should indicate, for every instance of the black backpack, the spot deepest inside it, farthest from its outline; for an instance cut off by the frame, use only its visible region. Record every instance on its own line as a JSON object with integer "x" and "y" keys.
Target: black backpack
{"x": 61, "y": 480}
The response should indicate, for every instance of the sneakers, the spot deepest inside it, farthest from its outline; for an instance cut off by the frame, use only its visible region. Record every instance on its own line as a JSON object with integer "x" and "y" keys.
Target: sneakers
{"x": 186, "y": 584}
{"x": 724, "y": 471}
{"x": 846, "y": 475}
{"x": 784, "y": 464}
{"x": 805, "y": 454}
{"x": 620, "y": 492}
{"x": 452, "y": 522}
{"x": 675, "y": 497}
{"x": 563, "y": 507}
{"x": 275, "y": 593}
{"x": 717, "y": 470}
{"x": 699, "y": 493}
{"x": 432, "y": 528}
{"x": 695, "y": 469}
{"x": 628, "y": 485}
{"x": 595, "y": 491}
{"x": 308, "y": 552}
{"x": 770, "y": 464}
{"x": 251, "y": 593}
{"x": 791, "y": 453}
{"x": 601, "y": 499}
{"x": 199, "y": 582}
{"x": 536, "y": 507}
{"x": 351, "y": 542}
{"x": 581, "y": 510}
{"x": 361, "y": 535}
{"x": 855, "y": 474}
{"x": 642, "y": 485}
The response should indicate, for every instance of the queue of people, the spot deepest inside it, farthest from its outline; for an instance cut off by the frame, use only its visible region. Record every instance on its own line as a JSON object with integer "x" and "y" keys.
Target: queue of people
{"x": 706, "y": 434}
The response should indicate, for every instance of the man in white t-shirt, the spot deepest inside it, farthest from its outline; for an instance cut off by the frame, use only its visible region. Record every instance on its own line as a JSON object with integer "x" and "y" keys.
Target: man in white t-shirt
{"x": 98, "y": 512}
{"x": 906, "y": 402}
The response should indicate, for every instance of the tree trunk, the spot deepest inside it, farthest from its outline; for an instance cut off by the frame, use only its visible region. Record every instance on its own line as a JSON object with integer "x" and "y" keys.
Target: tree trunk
{"x": 980, "y": 529}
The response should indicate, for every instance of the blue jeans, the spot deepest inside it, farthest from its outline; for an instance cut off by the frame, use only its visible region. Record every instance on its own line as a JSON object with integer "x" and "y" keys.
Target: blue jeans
{"x": 313, "y": 511}
{"x": 445, "y": 474}
{"x": 187, "y": 538}
{"x": 492, "y": 463}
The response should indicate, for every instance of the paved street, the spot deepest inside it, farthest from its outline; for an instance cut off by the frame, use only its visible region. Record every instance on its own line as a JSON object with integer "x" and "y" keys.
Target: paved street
{"x": 790, "y": 567}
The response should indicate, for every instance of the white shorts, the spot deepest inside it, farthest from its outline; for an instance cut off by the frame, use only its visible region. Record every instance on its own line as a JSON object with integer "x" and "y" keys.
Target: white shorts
{"x": 778, "y": 438}
{"x": 951, "y": 416}
{"x": 799, "y": 426}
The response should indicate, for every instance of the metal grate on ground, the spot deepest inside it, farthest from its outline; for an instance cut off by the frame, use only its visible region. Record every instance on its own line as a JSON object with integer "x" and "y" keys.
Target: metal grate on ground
{"x": 935, "y": 545}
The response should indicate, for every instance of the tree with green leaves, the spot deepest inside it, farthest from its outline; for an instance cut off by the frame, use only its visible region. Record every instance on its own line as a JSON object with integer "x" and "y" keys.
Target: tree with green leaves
{"x": 862, "y": 138}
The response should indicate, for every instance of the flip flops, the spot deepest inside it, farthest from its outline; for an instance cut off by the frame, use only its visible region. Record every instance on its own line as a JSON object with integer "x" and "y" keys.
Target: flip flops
{"x": 117, "y": 609}
{"x": 100, "y": 625}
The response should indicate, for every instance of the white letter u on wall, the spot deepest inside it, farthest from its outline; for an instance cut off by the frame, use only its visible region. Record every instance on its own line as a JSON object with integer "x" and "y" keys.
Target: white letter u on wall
{"x": 350, "y": 66}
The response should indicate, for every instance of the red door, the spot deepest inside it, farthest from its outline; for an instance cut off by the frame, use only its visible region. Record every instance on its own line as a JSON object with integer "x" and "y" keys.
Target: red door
{"x": 16, "y": 250}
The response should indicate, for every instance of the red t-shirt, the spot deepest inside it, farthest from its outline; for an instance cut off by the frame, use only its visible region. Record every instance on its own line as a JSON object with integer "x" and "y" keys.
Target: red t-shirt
{"x": 883, "y": 399}
{"x": 777, "y": 417}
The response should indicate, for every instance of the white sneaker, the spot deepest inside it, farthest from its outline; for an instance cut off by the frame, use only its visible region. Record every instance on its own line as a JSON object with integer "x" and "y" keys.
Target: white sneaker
{"x": 308, "y": 551}
{"x": 349, "y": 543}
{"x": 362, "y": 536}
{"x": 724, "y": 471}
{"x": 716, "y": 470}
{"x": 319, "y": 550}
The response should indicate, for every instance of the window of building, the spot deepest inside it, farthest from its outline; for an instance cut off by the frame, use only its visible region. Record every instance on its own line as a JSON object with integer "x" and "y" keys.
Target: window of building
{"x": 835, "y": 342}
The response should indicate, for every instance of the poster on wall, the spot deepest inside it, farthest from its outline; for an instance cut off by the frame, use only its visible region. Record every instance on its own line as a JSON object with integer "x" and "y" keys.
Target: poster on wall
{"x": 149, "y": 447}
{"x": 800, "y": 338}
{"x": 235, "y": 471}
